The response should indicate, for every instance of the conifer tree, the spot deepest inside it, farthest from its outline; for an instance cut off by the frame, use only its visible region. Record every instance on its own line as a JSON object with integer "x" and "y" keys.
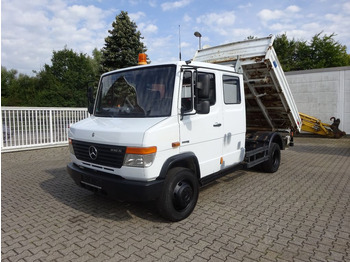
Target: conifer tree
{"x": 123, "y": 44}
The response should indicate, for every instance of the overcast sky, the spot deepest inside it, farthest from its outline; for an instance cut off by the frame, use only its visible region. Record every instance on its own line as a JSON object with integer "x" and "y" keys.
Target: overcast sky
{"x": 31, "y": 30}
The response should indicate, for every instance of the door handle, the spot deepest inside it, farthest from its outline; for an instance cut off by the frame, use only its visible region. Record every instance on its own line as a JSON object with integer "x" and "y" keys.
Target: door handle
{"x": 217, "y": 125}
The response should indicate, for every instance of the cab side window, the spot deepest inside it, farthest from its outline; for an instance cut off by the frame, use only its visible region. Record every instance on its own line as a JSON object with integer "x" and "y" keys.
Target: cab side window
{"x": 232, "y": 94}
{"x": 188, "y": 94}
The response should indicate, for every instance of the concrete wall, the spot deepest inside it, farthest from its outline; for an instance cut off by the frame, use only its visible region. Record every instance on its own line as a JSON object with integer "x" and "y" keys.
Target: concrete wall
{"x": 323, "y": 93}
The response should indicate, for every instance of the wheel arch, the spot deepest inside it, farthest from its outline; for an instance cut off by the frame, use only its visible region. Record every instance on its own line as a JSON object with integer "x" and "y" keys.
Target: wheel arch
{"x": 186, "y": 160}
{"x": 277, "y": 138}
{"x": 266, "y": 138}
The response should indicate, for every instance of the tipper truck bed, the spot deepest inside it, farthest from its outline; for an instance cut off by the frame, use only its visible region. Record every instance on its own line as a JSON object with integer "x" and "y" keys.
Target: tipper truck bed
{"x": 269, "y": 101}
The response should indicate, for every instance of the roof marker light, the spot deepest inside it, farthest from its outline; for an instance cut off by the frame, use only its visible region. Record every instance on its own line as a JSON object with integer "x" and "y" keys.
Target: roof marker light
{"x": 142, "y": 59}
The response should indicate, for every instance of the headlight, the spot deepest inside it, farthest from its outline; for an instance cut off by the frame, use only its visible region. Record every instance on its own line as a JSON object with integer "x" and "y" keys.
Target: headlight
{"x": 140, "y": 156}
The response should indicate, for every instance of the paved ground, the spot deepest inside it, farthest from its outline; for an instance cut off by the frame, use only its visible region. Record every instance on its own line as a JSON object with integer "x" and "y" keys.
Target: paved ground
{"x": 300, "y": 213}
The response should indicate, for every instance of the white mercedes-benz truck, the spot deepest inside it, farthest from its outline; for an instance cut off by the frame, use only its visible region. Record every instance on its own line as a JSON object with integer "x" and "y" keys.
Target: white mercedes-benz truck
{"x": 160, "y": 131}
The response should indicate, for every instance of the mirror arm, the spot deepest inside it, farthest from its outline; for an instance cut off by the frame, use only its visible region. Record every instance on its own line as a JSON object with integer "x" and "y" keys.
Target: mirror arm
{"x": 90, "y": 97}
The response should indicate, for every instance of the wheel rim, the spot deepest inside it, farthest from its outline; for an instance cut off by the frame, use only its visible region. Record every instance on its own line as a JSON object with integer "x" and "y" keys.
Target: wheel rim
{"x": 183, "y": 195}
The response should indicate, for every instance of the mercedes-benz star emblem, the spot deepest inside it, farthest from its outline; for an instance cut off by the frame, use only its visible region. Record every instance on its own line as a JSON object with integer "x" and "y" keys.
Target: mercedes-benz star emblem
{"x": 93, "y": 152}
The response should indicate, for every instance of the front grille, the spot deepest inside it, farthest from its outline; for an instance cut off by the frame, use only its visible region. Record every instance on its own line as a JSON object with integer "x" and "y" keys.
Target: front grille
{"x": 107, "y": 155}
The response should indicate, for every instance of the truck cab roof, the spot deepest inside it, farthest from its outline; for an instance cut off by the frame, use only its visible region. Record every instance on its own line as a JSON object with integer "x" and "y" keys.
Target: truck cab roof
{"x": 189, "y": 63}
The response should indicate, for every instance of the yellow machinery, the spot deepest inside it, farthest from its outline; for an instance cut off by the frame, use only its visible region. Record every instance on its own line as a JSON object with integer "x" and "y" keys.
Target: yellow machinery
{"x": 313, "y": 125}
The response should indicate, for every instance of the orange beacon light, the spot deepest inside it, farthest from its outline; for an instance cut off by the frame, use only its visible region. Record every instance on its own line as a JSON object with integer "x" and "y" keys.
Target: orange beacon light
{"x": 142, "y": 59}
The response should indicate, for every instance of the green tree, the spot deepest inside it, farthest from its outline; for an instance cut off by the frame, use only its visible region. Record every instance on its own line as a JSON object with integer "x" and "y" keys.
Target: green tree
{"x": 96, "y": 61}
{"x": 17, "y": 89}
{"x": 123, "y": 45}
{"x": 286, "y": 51}
{"x": 64, "y": 83}
{"x": 320, "y": 52}
{"x": 251, "y": 37}
{"x": 8, "y": 79}
{"x": 326, "y": 52}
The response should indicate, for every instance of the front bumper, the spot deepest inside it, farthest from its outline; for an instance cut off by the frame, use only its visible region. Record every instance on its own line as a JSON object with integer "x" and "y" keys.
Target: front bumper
{"x": 114, "y": 186}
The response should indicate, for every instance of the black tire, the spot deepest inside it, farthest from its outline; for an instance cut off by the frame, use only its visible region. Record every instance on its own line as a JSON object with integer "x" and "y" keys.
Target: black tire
{"x": 180, "y": 194}
{"x": 272, "y": 165}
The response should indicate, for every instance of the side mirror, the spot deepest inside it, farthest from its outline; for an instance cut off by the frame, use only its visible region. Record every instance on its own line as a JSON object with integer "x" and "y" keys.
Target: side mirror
{"x": 203, "y": 86}
{"x": 203, "y": 107}
{"x": 90, "y": 97}
{"x": 91, "y": 109}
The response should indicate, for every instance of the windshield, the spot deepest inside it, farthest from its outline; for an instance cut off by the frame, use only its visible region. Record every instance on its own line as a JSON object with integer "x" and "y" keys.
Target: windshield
{"x": 144, "y": 92}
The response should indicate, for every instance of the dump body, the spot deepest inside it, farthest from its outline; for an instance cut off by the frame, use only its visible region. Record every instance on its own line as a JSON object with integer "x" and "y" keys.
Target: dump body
{"x": 269, "y": 101}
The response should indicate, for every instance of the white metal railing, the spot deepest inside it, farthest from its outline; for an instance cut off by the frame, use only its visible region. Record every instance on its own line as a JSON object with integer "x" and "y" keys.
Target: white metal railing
{"x": 35, "y": 127}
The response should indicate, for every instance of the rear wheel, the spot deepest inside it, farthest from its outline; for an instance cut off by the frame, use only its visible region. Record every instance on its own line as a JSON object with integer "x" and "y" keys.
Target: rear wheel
{"x": 179, "y": 195}
{"x": 273, "y": 163}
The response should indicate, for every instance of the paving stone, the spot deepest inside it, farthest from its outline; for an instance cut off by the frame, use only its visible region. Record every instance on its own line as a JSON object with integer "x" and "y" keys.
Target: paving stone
{"x": 299, "y": 213}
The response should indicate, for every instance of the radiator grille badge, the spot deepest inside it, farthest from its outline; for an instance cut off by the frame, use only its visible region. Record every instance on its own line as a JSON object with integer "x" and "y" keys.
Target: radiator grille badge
{"x": 93, "y": 152}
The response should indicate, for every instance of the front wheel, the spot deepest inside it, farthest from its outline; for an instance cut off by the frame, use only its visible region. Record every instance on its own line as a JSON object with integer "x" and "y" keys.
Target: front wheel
{"x": 179, "y": 195}
{"x": 273, "y": 163}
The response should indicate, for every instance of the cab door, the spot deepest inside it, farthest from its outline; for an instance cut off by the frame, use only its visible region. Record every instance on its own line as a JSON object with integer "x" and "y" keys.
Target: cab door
{"x": 234, "y": 119}
{"x": 201, "y": 133}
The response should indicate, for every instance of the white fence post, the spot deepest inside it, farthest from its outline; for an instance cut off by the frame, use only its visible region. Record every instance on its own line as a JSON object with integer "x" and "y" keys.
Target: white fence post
{"x": 36, "y": 127}
{"x": 51, "y": 126}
